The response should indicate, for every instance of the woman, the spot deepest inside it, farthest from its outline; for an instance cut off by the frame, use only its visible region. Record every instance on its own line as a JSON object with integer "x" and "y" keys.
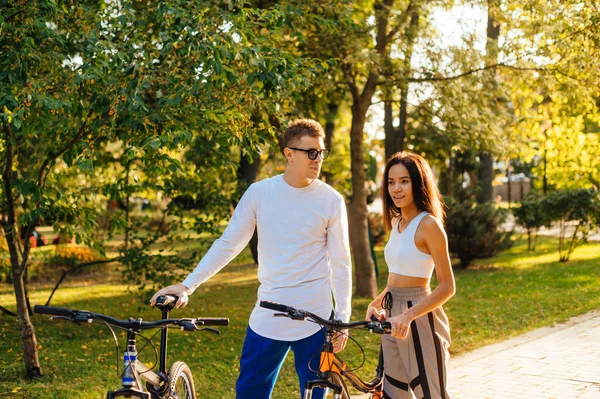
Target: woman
{"x": 416, "y": 352}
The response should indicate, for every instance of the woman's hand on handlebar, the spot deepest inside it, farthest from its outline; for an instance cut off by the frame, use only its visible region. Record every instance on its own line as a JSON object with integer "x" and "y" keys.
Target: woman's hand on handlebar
{"x": 374, "y": 311}
{"x": 178, "y": 290}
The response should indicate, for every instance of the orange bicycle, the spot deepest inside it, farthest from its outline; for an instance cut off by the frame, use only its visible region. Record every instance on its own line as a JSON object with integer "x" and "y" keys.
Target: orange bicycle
{"x": 333, "y": 371}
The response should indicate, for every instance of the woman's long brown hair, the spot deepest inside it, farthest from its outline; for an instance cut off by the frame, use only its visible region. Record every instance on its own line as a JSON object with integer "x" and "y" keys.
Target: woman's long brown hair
{"x": 424, "y": 188}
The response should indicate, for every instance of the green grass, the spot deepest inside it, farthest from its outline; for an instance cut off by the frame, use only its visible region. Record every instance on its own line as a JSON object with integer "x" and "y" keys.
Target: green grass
{"x": 501, "y": 297}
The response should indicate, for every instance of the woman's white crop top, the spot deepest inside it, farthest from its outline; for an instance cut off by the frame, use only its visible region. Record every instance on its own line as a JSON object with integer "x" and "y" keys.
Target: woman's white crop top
{"x": 402, "y": 255}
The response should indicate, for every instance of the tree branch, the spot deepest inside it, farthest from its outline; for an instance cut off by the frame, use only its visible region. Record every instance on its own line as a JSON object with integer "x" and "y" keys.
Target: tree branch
{"x": 401, "y": 21}
{"x": 350, "y": 80}
{"x": 7, "y": 312}
{"x": 80, "y": 133}
{"x": 80, "y": 266}
{"x": 9, "y": 224}
{"x": 473, "y": 71}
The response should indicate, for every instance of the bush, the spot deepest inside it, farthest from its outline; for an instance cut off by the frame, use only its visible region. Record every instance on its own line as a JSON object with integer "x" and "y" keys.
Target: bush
{"x": 52, "y": 263}
{"x": 531, "y": 215}
{"x": 377, "y": 230}
{"x": 474, "y": 230}
{"x": 576, "y": 210}
{"x": 5, "y": 270}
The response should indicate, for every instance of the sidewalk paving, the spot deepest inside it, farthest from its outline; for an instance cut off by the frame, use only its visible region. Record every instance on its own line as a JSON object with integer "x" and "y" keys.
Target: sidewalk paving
{"x": 560, "y": 362}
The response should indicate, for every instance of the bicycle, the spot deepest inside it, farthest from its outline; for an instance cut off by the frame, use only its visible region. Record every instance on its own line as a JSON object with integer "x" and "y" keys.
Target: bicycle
{"x": 175, "y": 383}
{"x": 332, "y": 369}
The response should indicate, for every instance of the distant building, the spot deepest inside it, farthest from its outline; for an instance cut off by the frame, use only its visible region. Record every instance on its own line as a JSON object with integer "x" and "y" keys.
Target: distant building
{"x": 519, "y": 186}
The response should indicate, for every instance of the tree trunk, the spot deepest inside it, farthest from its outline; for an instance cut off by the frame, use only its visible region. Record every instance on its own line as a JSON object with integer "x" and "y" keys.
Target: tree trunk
{"x": 394, "y": 137}
{"x": 30, "y": 352}
{"x": 127, "y": 219}
{"x": 9, "y": 226}
{"x": 366, "y": 285}
{"x": 247, "y": 174}
{"x": 509, "y": 187}
{"x": 486, "y": 167}
{"x": 28, "y": 339}
{"x": 331, "y": 116}
{"x": 485, "y": 176}
{"x": 403, "y": 120}
{"x": 388, "y": 128}
{"x": 411, "y": 35}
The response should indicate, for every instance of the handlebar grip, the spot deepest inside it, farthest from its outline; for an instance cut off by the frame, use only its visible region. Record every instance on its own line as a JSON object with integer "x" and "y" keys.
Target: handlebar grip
{"x": 213, "y": 321}
{"x": 275, "y": 306}
{"x": 51, "y": 310}
{"x": 165, "y": 300}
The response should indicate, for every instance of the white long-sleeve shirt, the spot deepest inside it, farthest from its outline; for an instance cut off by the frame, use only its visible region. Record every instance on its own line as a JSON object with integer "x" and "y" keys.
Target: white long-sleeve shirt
{"x": 303, "y": 253}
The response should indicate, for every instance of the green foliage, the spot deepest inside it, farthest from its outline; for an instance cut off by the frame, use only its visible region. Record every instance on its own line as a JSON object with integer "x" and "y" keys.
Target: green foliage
{"x": 577, "y": 212}
{"x": 109, "y": 100}
{"x": 531, "y": 215}
{"x": 475, "y": 230}
{"x": 99, "y": 102}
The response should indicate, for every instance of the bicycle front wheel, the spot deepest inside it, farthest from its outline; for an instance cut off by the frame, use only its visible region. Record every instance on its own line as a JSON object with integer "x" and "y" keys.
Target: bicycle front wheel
{"x": 181, "y": 382}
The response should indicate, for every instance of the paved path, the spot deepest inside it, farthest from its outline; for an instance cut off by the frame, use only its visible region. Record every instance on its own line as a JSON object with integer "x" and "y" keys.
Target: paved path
{"x": 560, "y": 362}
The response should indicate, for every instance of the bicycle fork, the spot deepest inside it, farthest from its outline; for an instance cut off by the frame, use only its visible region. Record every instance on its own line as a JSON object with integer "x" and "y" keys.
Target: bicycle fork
{"x": 129, "y": 359}
{"x": 129, "y": 379}
{"x": 326, "y": 365}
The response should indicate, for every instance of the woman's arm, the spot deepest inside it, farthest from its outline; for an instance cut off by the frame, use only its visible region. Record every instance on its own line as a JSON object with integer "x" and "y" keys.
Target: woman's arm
{"x": 437, "y": 245}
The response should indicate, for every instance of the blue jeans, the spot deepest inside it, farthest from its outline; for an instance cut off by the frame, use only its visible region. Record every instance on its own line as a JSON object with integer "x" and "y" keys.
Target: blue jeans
{"x": 262, "y": 359}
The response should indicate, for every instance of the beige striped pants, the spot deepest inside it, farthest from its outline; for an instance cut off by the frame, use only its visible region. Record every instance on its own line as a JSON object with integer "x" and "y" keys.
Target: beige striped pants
{"x": 415, "y": 367}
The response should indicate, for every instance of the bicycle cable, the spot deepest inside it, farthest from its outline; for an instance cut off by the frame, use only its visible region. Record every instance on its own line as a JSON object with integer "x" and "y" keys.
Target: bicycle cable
{"x": 116, "y": 344}
{"x": 364, "y": 357}
{"x": 149, "y": 341}
{"x": 116, "y": 340}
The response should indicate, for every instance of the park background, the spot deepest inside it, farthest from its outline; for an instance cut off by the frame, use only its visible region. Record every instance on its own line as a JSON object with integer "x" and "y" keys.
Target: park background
{"x": 129, "y": 130}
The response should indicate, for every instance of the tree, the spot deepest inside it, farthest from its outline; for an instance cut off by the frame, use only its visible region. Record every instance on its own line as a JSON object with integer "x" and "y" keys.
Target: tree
{"x": 101, "y": 100}
{"x": 578, "y": 213}
{"x": 362, "y": 84}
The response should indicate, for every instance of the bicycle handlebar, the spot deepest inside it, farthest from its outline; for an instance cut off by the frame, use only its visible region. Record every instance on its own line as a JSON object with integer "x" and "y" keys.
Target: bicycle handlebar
{"x": 53, "y": 311}
{"x": 80, "y": 316}
{"x": 379, "y": 327}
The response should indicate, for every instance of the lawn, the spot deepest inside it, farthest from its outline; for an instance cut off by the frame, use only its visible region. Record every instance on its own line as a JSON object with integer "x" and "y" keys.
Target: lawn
{"x": 500, "y": 297}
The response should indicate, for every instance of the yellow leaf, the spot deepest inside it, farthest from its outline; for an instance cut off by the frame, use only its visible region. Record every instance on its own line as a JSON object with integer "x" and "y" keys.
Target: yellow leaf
{"x": 17, "y": 389}
{"x": 9, "y": 113}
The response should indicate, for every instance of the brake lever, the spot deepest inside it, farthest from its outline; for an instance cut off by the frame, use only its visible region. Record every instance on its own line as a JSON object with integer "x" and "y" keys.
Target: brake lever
{"x": 292, "y": 315}
{"x": 58, "y": 318}
{"x": 211, "y": 330}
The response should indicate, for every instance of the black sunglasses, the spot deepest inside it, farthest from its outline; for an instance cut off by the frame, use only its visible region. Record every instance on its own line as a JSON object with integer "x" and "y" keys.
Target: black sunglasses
{"x": 312, "y": 153}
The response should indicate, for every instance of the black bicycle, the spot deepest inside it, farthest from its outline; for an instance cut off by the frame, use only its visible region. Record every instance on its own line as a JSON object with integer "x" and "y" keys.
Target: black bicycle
{"x": 175, "y": 383}
{"x": 332, "y": 369}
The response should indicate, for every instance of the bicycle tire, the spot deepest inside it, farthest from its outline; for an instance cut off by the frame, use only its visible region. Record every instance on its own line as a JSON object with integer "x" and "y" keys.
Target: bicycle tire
{"x": 181, "y": 382}
{"x": 338, "y": 380}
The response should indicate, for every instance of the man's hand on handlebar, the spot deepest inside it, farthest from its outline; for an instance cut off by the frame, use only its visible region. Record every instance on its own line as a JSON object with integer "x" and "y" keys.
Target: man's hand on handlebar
{"x": 178, "y": 290}
{"x": 339, "y": 341}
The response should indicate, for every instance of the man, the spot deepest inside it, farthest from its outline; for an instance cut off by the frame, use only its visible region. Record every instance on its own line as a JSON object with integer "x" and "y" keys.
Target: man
{"x": 304, "y": 258}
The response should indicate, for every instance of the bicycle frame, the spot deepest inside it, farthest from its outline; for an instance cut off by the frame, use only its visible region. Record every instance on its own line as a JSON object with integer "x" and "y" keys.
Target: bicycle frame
{"x": 158, "y": 383}
{"x": 134, "y": 371}
{"x": 332, "y": 368}
{"x": 331, "y": 364}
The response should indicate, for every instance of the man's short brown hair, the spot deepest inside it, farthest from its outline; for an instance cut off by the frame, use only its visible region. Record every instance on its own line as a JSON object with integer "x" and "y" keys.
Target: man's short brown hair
{"x": 299, "y": 128}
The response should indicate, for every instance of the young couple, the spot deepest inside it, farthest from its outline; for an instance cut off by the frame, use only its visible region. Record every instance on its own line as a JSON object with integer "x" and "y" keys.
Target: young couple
{"x": 304, "y": 259}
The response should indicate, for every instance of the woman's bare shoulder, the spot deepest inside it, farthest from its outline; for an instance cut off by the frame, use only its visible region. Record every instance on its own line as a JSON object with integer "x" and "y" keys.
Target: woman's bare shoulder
{"x": 432, "y": 224}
